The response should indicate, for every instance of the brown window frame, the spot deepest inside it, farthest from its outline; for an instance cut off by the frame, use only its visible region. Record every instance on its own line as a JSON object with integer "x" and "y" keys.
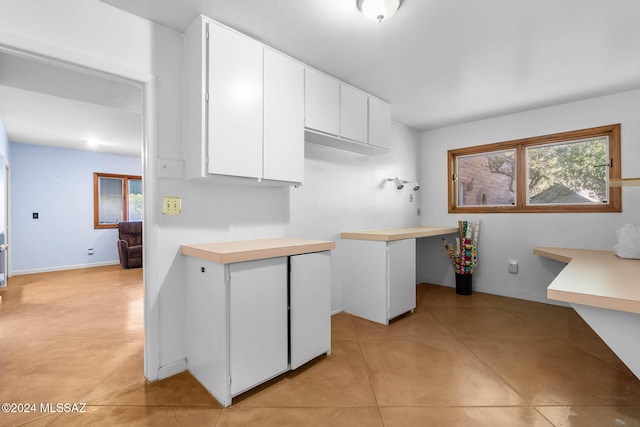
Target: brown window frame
{"x": 125, "y": 197}
{"x": 615, "y": 197}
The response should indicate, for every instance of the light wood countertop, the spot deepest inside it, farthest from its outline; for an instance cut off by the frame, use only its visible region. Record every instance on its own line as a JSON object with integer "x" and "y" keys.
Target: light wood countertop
{"x": 389, "y": 234}
{"x": 595, "y": 278}
{"x": 250, "y": 250}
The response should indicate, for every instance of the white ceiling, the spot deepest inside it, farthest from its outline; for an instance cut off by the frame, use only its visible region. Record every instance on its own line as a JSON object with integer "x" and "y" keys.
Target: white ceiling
{"x": 53, "y": 104}
{"x": 443, "y": 62}
{"x": 438, "y": 62}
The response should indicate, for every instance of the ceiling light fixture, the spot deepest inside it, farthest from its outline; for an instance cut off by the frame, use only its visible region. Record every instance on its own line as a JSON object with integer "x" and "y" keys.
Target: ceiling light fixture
{"x": 378, "y": 10}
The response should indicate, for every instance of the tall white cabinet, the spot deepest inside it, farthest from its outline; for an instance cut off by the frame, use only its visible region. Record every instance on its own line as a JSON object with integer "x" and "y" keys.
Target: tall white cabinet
{"x": 234, "y": 88}
{"x": 244, "y": 106}
{"x": 255, "y": 313}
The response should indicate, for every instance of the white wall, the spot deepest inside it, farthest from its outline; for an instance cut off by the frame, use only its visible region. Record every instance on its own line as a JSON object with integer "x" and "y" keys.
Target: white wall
{"x": 349, "y": 192}
{"x": 95, "y": 35}
{"x": 342, "y": 190}
{"x": 513, "y": 236}
{"x": 58, "y": 184}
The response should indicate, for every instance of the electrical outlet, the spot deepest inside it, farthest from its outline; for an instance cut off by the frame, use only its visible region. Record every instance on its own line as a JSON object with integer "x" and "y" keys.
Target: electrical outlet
{"x": 171, "y": 205}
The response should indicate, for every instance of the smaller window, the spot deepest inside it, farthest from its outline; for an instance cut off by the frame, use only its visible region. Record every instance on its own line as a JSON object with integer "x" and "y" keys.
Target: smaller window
{"x": 487, "y": 179}
{"x": 116, "y": 198}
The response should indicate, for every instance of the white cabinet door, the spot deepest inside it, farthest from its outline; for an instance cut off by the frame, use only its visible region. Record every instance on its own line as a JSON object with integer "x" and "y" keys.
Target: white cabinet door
{"x": 353, "y": 114}
{"x": 379, "y": 123}
{"x": 206, "y": 328}
{"x": 235, "y": 103}
{"x": 283, "y": 118}
{"x": 258, "y": 322}
{"x": 401, "y": 276}
{"x": 364, "y": 279}
{"x": 310, "y": 307}
{"x": 321, "y": 102}
{"x": 194, "y": 100}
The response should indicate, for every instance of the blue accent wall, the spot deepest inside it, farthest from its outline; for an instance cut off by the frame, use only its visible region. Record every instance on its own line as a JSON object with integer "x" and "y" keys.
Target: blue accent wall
{"x": 57, "y": 183}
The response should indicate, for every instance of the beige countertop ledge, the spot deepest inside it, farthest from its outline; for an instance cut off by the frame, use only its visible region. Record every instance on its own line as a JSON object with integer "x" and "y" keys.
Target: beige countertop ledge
{"x": 596, "y": 278}
{"x": 389, "y": 234}
{"x": 251, "y": 250}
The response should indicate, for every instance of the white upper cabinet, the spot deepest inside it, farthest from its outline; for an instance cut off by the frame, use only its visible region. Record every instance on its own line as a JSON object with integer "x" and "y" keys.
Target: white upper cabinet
{"x": 353, "y": 114}
{"x": 338, "y": 115}
{"x": 379, "y": 123}
{"x": 244, "y": 106}
{"x": 248, "y": 110}
{"x": 283, "y": 117}
{"x": 321, "y": 102}
{"x": 235, "y": 104}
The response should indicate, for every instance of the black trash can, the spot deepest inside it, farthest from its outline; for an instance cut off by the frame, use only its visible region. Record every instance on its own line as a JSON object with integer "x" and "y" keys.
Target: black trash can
{"x": 463, "y": 283}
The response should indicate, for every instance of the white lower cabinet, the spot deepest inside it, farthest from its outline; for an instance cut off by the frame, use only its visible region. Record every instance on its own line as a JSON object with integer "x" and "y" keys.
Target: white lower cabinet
{"x": 258, "y": 321}
{"x": 310, "y": 296}
{"x": 251, "y": 321}
{"x": 379, "y": 278}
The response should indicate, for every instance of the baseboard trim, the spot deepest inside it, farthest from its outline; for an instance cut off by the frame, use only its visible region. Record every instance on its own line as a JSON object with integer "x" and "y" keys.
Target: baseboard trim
{"x": 62, "y": 268}
{"x": 172, "y": 369}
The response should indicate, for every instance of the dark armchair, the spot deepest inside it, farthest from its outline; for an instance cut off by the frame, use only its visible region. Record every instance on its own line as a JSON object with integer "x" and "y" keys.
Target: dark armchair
{"x": 130, "y": 244}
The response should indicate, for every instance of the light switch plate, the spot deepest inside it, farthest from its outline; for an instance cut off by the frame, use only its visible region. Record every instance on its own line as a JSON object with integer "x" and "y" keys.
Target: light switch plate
{"x": 171, "y": 205}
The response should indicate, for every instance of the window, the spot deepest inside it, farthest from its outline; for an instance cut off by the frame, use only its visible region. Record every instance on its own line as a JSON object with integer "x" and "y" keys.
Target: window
{"x": 565, "y": 172}
{"x": 116, "y": 198}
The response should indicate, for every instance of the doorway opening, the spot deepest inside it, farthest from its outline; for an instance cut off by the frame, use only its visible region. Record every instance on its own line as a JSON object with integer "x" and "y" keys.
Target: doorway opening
{"x": 100, "y": 87}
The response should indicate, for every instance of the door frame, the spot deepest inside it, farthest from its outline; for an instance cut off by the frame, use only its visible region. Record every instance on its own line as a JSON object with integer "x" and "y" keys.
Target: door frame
{"x": 33, "y": 49}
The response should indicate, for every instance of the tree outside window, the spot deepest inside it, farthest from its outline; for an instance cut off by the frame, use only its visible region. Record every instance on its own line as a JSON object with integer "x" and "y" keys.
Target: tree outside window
{"x": 565, "y": 172}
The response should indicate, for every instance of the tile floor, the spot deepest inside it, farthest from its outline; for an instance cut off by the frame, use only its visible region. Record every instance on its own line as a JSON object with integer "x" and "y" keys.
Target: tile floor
{"x": 480, "y": 360}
